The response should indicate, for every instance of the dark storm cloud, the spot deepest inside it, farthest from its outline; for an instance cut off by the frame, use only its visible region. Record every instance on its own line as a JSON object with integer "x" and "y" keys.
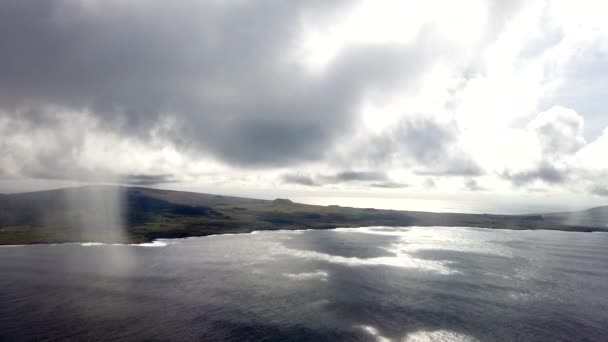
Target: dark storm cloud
{"x": 221, "y": 73}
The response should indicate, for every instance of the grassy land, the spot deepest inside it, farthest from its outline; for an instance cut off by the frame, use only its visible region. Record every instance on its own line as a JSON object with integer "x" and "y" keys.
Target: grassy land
{"x": 93, "y": 213}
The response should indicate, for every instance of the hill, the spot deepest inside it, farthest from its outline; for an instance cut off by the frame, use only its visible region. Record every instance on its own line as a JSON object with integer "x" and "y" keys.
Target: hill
{"x": 133, "y": 214}
{"x": 594, "y": 217}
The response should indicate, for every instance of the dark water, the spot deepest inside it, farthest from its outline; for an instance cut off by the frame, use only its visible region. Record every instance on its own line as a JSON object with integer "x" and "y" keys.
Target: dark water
{"x": 373, "y": 284}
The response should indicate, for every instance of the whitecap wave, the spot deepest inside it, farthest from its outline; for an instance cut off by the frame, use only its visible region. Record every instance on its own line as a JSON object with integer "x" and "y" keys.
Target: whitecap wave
{"x": 155, "y": 243}
{"x": 438, "y": 336}
{"x": 88, "y": 244}
{"x": 374, "y": 332}
{"x": 321, "y": 275}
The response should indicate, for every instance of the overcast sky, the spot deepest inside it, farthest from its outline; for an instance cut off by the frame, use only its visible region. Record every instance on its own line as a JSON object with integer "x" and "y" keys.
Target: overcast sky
{"x": 499, "y": 105}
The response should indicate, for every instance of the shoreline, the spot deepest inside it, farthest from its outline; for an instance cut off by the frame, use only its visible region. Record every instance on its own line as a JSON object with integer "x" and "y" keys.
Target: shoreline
{"x": 151, "y": 243}
{"x": 145, "y": 215}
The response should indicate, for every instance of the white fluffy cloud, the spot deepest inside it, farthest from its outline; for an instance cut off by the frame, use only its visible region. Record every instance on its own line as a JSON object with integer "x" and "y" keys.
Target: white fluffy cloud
{"x": 559, "y": 131}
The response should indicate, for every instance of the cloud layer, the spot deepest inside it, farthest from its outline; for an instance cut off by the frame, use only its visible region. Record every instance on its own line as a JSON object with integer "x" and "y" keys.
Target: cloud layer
{"x": 310, "y": 94}
{"x": 218, "y": 77}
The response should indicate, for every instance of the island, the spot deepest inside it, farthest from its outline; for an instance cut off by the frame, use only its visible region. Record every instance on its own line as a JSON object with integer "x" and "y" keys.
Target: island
{"x": 121, "y": 214}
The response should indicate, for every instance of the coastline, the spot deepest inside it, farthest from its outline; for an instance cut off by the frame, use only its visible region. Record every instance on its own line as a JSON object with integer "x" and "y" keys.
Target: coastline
{"x": 152, "y": 242}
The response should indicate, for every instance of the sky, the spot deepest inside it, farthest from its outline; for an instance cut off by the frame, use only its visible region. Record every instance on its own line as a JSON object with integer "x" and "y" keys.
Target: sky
{"x": 476, "y": 106}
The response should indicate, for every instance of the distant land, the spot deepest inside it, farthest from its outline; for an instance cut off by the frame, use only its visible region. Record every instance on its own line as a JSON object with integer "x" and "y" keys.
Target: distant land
{"x": 135, "y": 215}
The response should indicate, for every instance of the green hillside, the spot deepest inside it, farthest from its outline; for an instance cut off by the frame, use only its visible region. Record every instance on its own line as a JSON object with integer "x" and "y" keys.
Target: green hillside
{"x": 129, "y": 214}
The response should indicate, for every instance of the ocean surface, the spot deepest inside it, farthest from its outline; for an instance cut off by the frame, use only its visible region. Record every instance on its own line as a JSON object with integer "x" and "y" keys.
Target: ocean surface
{"x": 362, "y": 284}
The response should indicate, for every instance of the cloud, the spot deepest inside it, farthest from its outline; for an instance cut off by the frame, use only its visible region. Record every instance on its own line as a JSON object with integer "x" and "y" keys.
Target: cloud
{"x": 75, "y": 146}
{"x": 558, "y": 137}
{"x": 299, "y": 179}
{"x": 583, "y": 85}
{"x": 545, "y": 172}
{"x": 389, "y": 185}
{"x": 225, "y": 76}
{"x": 559, "y": 130}
{"x": 223, "y": 93}
{"x": 377, "y": 179}
{"x": 138, "y": 179}
{"x": 473, "y": 185}
{"x": 429, "y": 183}
{"x": 425, "y": 140}
{"x": 355, "y": 176}
{"x": 565, "y": 161}
{"x": 51, "y": 149}
{"x": 459, "y": 166}
{"x": 599, "y": 190}
{"x": 430, "y": 146}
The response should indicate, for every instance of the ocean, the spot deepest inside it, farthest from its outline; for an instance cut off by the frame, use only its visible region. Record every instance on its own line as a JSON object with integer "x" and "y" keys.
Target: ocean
{"x": 351, "y": 284}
